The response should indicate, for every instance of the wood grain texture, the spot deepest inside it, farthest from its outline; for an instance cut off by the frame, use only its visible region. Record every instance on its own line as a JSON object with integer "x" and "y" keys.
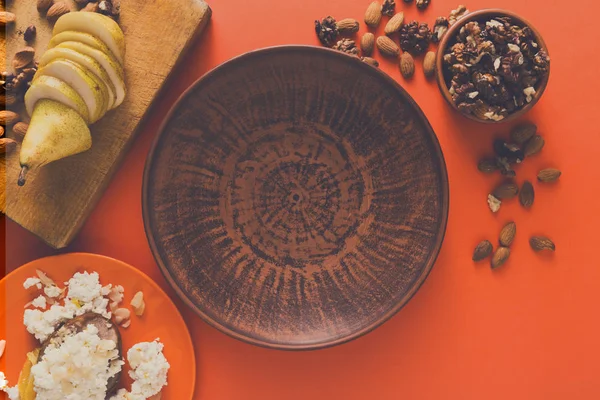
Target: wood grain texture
{"x": 58, "y": 198}
{"x": 296, "y": 197}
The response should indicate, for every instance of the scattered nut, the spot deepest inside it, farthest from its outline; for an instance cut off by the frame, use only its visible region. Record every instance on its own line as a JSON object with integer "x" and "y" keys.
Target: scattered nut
{"x": 23, "y": 58}
{"x": 138, "y": 304}
{"x": 121, "y": 315}
{"x": 20, "y": 129}
{"x": 46, "y": 281}
{"x": 44, "y": 5}
{"x": 394, "y": 24}
{"x": 7, "y": 145}
{"x": 347, "y": 46}
{"x": 8, "y": 117}
{"x": 548, "y": 175}
{"x": 388, "y": 7}
{"x": 7, "y": 18}
{"x": 439, "y": 29}
{"x": 126, "y": 324}
{"x": 30, "y": 33}
{"x": 500, "y": 256}
{"x": 483, "y": 250}
{"x": 90, "y": 7}
{"x": 422, "y": 4}
{"x": 407, "y": 65}
{"x": 414, "y": 37}
{"x": 387, "y": 46}
{"x": 2, "y": 347}
{"x": 348, "y": 25}
{"x": 1, "y": 131}
{"x": 526, "y": 195}
{"x": 523, "y": 132}
{"x": 534, "y": 145}
{"x": 539, "y": 243}
{"x": 494, "y": 203}
{"x": 371, "y": 61}
{"x": 367, "y": 42}
{"x": 488, "y": 166}
{"x": 327, "y": 31}
{"x": 7, "y": 99}
{"x": 373, "y": 14}
{"x": 429, "y": 64}
{"x": 506, "y": 190}
{"x": 457, "y": 14}
{"x": 57, "y": 10}
{"x": 507, "y": 234}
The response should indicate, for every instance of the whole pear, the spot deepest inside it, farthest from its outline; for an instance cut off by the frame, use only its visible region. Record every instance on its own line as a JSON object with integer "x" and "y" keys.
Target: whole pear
{"x": 55, "y": 131}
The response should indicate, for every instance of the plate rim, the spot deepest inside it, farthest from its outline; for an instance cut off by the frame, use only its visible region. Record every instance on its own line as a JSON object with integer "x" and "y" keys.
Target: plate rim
{"x": 445, "y": 197}
{"x": 155, "y": 285}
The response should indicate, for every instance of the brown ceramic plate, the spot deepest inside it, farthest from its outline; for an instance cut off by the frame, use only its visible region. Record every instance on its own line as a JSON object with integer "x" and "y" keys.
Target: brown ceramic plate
{"x": 296, "y": 197}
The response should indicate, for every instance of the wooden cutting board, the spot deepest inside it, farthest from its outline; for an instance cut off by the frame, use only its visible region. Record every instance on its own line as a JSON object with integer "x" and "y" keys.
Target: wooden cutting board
{"x": 57, "y": 199}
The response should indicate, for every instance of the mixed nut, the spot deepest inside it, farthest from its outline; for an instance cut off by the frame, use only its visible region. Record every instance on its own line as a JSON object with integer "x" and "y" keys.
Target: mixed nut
{"x": 525, "y": 142}
{"x": 493, "y": 68}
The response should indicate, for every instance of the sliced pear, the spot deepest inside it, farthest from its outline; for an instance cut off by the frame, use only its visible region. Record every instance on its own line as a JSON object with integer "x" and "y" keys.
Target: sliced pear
{"x": 85, "y": 61}
{"x": 48, "y": 87}
{"x": 101, "y": 26}
{"x": 55, "y": 131}
{"x": 82, "y": 37}
{"x": 107, "y": 61}
{"x": 90, "y": 88}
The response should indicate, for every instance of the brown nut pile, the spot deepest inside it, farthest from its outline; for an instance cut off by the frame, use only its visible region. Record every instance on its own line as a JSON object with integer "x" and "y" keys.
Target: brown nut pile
{"x": 495, "y": 66}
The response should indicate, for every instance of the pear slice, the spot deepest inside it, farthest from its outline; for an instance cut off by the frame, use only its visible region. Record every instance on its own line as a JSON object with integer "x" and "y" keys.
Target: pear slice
{"x": 101, "y": 26}
{"x": 82, "y": 37}
{"x": 48, "y": 87}
{"x": 55, "y": 131}
{"x": 85, "y": 61}
{"x": 90, "y": 88}
{"x": 107, "y": 61}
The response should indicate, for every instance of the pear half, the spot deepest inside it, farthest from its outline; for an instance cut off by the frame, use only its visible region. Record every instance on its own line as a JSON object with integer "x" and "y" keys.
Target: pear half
{"x": 48, "y": 87}
{"x": 55, "y": 131}
{"x": 90, "y": 88}
{"x": 107, "y": 61}
{"x": 81, "y": 37}
{"x": 101, "y": 26}
{"x": 85, "y": 61}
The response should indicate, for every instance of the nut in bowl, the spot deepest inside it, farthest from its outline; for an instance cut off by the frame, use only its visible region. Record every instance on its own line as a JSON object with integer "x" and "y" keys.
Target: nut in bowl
{"x": 493, "y": 66}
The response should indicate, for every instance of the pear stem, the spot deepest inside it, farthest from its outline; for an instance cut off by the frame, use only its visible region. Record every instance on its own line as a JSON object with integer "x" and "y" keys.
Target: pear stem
{"x": 22, "y": 176}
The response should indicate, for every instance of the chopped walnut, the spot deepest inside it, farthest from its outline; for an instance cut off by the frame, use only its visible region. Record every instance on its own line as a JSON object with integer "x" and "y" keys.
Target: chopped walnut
{"x": 347, "y": 46}
{"x": 327, "y": 31}
{"x": 457, "y": 14}
{"x": 388, "y": 8}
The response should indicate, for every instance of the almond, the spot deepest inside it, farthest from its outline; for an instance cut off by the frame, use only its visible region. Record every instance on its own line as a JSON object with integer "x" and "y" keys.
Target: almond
{"x": 44, "y": 5}
{"x": 483, "y": 250}
{"x": 57, "y": 10}
{"x": 126, "y": 324}
{"x": 7, "y": 18}
{"x": 407, "y": 65}
{"x": 429, "y": 64}
{"x": 8, "y": 117}
{"x": 523, "y": 132}
{"x": 487, "y": 166}
{"x": 371, "y": 61}
{"x": 526, "y": 195}
{"x": 121, "y": 315}
{"x": 348, "y": 25}
{"x": 539, "y": 243}
{"x": 45, "y": 279}
{"x": 373, "y": 14}
{"x": 500, "y": 256}
{"x": 506, "y": 190}
{"x": 548, "y": 175}
{"x": 507, "y": 234}
{"x": 2, "y": 347}
{"x": 387, "y": 46}
{"x": 20, "y": 129}
{"x": 533, "y": 145}
{"x": 7, "y": 145}
{"x": 2, "y": 132}
{"x": 90, "y": 7}
{"x": 7, "y": 99}
{"x": 367, "y": 42}
{"x": 394, "y": 24}
{"x": 23, "y": 58}
{"x": 138, "y": 304}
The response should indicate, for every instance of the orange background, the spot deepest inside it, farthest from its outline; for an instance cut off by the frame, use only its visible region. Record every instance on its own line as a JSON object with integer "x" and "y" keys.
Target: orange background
{"x": 530, "y": 330}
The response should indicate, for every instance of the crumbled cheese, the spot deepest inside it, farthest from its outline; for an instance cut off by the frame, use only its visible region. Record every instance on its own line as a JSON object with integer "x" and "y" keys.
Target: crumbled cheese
{"x": 77, "y": 368}
{"x": 529, "y": 92}
{"x": 494, "y": 203}
{"x": 3, "y": 381}
{"x": 86, "y": 294}
{"x": 52, "y": 291}
{"x": 149, "y": 368}
{"x": 13, "y": 393}
{"x": 30, "y": 282}
{"x": 41, "y": 324}
{"x": 39, "y": 302}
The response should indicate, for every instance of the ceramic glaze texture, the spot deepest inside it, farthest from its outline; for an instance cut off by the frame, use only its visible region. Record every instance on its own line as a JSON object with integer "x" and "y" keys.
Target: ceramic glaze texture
{"x": 296, "y": 197}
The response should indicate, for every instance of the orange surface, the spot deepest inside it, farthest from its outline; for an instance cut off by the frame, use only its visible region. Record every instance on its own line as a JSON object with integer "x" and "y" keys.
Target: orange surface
{"x": 528, "y": 331}
{"x": 160, "y": 320}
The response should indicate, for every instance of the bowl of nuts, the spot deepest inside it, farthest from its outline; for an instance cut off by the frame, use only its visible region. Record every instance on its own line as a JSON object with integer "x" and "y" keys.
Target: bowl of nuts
{"x": 493, "y": 66}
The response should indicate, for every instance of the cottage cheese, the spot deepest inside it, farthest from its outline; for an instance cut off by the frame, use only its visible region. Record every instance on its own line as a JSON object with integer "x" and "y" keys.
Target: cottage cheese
{"x": 52, "y": 291}
{"x": 39, "y": 302}
{"x": 86, "y": 294}
{"x": 30, "y": 282}
{"x": 149, "y": 368}
{"x": 13, "y": 393}
{"x": 41, "y": 324}
{"x": 78, "y": 368}
{"x": 3, "y": 381}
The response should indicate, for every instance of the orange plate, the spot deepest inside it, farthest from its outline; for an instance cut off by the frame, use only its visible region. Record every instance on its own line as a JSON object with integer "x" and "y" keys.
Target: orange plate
{"x": 160, "y": 320}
